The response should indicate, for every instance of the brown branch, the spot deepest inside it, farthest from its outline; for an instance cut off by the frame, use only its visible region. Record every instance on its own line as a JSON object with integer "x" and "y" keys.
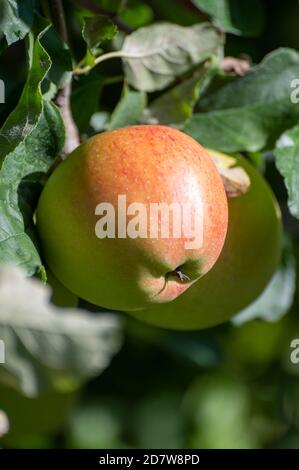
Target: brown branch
{"x": 72, "y": 138}
{"x": 63, "y": 98}
{"x": 89, "y": 5}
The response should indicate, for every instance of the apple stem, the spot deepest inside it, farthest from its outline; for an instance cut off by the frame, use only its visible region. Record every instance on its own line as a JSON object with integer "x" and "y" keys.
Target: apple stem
{"x": 179, "y": 273}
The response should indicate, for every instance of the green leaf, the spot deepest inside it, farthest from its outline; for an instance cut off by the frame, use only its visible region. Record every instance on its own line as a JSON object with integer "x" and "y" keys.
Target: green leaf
{"x": 20, "y": 186}
{"x": 177, "y": 104}
{"x": 242, "y": 18}
{"x": 278, "y": 296}
{"x": 97, "y": 29}
{"x": 129, "y": 109}
{"x": 155, "y": 55}
{"x": 287, "y": 162}
{"x": 16, "y": 18}
{"x": 30, "y": 139}
{"x": 279, "y": 67}
{"x": 48, "y": 347}
{"x": 85, "y": 99}
{"x": 247, "y": 113}
{"x": 21, "y": 122}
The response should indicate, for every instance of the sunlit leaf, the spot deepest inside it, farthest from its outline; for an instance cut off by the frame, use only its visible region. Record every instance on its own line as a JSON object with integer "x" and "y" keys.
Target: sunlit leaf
{"x": 247, "y": 113}
{"x": 156, "y": 54}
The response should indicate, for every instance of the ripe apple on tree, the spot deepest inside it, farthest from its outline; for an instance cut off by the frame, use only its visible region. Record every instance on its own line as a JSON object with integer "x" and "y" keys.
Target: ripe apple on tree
{"x": 247, "y": 262}
{"x": 144, "y": 165}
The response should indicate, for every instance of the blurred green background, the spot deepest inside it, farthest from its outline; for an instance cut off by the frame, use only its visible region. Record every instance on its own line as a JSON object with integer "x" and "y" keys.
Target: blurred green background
{"x": 227, "y": 387}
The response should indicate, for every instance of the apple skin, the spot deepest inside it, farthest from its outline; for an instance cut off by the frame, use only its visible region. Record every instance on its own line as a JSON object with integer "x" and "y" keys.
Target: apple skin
{"x": 250, "y": 255}
{"x": 61, "y": 296}
{"x": 148, "y": 164}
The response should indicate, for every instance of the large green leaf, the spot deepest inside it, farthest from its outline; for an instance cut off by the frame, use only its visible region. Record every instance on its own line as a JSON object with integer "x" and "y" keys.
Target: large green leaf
{"x": 129, "y": 109}
{"x": 46, "y": 346}
{"x": 30, "y": 139}
{"x": 20, "y": 174}
{"x": 245, "y": 17}
{"x": 21, "y": 122}
{"x": 287, "y": 162}
{"x": 247, "y": 113}
{"x": 16, "y": 18}
{"x": 154, "y": 55}
{"x": 268, "y": 82}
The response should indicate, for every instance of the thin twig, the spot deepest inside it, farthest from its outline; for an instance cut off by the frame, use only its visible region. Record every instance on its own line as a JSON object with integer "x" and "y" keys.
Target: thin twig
{"x": 63, "y": 98}
{"x": 102, "y": 58}
{"x": 72, "y": 139}
{"x": 114, "y": 54}
{"x": 89, "y": 5}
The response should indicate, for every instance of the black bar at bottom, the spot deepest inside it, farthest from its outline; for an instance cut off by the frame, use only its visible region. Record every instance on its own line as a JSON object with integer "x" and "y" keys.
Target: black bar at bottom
{"x": 129, "y": 458}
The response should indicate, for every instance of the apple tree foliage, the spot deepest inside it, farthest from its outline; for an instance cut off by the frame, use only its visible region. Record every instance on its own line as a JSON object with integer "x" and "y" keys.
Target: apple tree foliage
{"x": 129, "y": 62}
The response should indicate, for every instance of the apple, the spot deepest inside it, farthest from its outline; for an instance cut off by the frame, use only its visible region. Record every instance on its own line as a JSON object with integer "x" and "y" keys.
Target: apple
{"x": 247, "y": 262}
{"x": 97, "y": 225}
{"x": 61, "y": 296}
